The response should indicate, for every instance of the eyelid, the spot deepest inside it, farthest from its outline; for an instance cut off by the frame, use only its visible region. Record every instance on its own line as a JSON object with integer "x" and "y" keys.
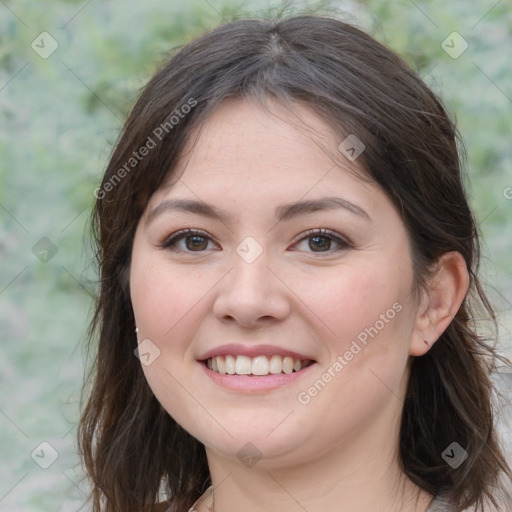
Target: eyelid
{"x": 342, "y": 241}
{"x": 183, "y": 233}
{"x": 322, "y": 232}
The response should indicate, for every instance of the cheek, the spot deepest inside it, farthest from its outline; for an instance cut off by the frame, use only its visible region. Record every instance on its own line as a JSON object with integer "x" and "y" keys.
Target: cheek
{"x": 163, "y": 301}
{"x": 168, "y": 304}
{"x": 358, "y": 302}
{"x": 367, "y": 318}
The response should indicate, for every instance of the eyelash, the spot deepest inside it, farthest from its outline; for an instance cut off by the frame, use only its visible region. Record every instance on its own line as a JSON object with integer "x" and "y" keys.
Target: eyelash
{"x": 170, "y": 242}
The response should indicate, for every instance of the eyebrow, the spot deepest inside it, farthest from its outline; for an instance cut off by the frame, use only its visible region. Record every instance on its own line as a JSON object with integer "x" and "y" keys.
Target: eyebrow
{"x": 283, "y": 212}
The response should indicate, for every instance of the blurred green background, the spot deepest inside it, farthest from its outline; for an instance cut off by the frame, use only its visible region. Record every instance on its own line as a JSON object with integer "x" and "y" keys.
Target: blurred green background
{"x": 63, "y": 97}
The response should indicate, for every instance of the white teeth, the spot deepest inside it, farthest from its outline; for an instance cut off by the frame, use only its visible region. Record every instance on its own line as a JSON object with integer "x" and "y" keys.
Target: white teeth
{"x": 276, "y": 364}
{"x": 260, "y": 365}
{"x": 221, "y": 364}
{"x": 243, "y": 365}
{"x": 288, "y": 364}
{"x": 230, "y": 365}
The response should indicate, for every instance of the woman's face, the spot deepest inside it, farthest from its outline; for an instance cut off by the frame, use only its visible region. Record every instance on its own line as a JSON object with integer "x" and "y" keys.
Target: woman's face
{"x": 258, "y": 289}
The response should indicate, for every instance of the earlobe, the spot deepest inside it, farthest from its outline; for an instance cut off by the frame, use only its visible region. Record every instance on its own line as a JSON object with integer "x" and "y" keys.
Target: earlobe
{"x": 444, "y": 293}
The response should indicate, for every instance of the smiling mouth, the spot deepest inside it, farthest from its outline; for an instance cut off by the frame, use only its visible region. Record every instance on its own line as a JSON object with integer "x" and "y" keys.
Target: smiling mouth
{"x": 258, "y": 366}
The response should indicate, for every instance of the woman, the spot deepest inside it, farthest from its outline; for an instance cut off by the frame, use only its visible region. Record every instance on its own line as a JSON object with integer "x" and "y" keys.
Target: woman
{"x": 287, "y": 259}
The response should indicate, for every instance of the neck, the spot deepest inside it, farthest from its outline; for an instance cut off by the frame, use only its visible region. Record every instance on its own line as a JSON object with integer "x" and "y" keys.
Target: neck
{"x": 271, "y": 491}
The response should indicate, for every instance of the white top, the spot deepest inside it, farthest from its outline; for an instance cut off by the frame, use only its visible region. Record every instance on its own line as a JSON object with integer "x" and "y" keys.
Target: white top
{"x": 441, "y": 504}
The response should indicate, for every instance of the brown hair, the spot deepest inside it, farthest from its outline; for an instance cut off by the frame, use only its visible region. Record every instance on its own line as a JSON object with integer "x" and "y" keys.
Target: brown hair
{"x": 129, "y": 443}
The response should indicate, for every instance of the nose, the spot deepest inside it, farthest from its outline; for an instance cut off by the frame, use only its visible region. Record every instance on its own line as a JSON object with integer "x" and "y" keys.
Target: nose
{"x": 252, "y": 294}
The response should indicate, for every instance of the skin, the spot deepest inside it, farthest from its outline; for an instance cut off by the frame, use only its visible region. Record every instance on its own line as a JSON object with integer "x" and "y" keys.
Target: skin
{"x": 340, "y": 450}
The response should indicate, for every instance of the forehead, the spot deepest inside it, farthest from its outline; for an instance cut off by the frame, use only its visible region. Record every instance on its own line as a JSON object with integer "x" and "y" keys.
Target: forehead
{"x": 264, "y": 151}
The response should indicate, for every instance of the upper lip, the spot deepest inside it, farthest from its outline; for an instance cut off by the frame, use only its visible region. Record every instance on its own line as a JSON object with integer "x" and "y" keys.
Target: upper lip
{"x": 237, "y": 349}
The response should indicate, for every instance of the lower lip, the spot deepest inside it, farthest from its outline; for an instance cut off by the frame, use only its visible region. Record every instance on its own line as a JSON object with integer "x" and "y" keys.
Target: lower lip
{"x": 258, "y": 383}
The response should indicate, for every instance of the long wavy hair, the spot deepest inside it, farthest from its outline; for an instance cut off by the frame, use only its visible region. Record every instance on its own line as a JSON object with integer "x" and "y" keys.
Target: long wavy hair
{"x": 131, "y": 447}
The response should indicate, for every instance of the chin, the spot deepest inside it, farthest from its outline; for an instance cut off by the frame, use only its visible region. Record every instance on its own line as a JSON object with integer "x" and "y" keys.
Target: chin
{"x": 251, "y": 446}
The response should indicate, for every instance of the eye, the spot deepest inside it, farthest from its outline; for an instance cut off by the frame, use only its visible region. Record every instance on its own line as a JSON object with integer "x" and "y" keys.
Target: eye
{"x": 195, "y": 241}
{"x": 320, "y": 241}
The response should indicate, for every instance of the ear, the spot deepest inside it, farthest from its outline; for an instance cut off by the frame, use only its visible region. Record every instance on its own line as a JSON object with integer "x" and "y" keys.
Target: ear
{"x": 440, "y": 301}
